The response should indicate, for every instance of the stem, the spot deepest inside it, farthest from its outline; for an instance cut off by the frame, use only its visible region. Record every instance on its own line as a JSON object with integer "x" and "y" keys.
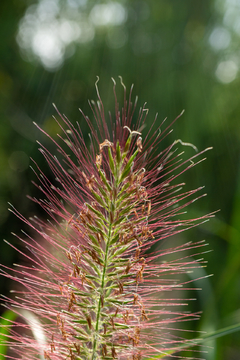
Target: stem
{"x": 95, "y": 343}
{"x": 111, "y": 219}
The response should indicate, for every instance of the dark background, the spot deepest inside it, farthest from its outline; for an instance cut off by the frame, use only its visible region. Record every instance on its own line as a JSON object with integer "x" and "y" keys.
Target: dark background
{"x": 180, "y": 54}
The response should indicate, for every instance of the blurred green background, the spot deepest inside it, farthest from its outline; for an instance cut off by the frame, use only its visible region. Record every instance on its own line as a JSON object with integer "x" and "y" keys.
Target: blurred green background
{"x": 180, "y": 54}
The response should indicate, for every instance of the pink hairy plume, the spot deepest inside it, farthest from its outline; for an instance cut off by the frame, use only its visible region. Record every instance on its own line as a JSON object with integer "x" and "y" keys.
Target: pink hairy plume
{"x": 95, "y": 286}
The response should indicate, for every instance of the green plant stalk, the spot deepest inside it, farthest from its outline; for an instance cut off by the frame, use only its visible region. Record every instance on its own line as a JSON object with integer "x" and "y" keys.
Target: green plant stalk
{"x": 111, "y": 212}
{"x": 94, "y": 355}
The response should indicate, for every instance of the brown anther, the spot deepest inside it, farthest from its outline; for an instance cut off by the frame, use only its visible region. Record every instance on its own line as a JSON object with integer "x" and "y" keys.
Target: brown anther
{"x": 112, "y": 323}
{"x": 77, "y": 228}
{"x": 46, "y": 355}
{"x": 69, "y": 256}
{"x": 144, "y": 315}
{"x": 135, "y": 299}
{"x": 58, "y": 320}
{"x": 139, "y": 144}
{"x": 137, "y": 253}
{"x": 135, "y": 212}
{"x": 89, "y": 217}
{"x": 139, "y": 241}
{"x": 73, "y": 273}
{"x": 145, "y": 230}
{"x": 120, "y": 238}
{"x": 136, "y": 356}
{"x": 104, "y": 329}
{"x": 136, "y": 336}
{"x": 77, "y": 347}
{"x": 99, "y": 160}
{"x": 126, "y": 316}
{"x": 61, "y": 289}
{"x": 123, "y": 238}
{"x": 89, "y": 321}
{"x": 52, "y": 344}
{"x": 64, "y": 334}
{"x": 78, "y": 221}
{"x": 71, "y": 301}
{"x": 131, "y": 179}
{"x": 105, "y": 143}
{"x": 77, "y": 269}
{"x": 71, "y": 353}
{"x": 120, "y": 285}
{"x": 69, "y": 221}
{"x": 129, "y": 265}
{"x": 82, "y": 277}
{"x": 141, "y": 192}
{"x": 104, "y": 350}
{"x": 89, "y": 181}
{"x": 129, "y": 338}
{"x": 114, "y": 354}
{"x": 139, "y": 276}
{"x": 82, "y": 216}
{"x": 137, "y": 330}
{"x": 70, "y": 350}
{"x": 116, "y": 312}
{"x": 95, "y": 257}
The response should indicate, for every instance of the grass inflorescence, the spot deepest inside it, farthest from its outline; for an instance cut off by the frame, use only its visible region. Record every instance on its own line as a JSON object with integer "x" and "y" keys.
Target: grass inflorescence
{"x": 94, "y": 282}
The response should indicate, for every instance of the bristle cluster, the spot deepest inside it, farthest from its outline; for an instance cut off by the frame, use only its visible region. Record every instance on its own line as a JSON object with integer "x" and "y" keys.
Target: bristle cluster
{"x": 91, "y": 279}
{"x": 109, "y": 267}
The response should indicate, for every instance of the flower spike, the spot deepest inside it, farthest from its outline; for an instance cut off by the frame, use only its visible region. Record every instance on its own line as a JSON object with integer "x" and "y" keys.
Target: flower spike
{"x": 92, "y": 277}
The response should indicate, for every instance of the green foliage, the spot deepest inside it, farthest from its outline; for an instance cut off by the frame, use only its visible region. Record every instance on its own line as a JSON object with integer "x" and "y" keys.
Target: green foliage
{"x": 5, "y": 323}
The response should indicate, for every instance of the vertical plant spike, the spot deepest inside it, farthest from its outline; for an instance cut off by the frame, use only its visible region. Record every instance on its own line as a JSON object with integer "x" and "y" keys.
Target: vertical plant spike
{"x": 91, "y": 277}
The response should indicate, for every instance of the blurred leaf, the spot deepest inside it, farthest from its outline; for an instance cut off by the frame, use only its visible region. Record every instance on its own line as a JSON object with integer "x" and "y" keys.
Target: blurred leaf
{"x": 214, "y": 335}
{"x": 5, "y": 323}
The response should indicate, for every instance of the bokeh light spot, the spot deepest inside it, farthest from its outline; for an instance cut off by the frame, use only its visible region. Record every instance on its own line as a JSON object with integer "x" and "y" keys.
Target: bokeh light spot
{"x": 226, "y": 71}
{"x": 220, "y": 38}
{"x": 111, "y": 13}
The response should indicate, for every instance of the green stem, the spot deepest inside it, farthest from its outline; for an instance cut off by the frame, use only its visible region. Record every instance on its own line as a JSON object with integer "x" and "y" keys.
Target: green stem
{"x": 95, "y": 343}
{"x": 111, "y": 219}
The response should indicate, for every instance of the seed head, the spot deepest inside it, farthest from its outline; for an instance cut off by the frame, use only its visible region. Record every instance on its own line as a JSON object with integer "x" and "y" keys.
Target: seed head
{"x": 94, "y": 280}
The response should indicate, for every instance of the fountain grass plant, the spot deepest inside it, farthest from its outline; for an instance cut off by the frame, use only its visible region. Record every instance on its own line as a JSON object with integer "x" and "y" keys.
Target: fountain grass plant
{"x": 96, "y": 280}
